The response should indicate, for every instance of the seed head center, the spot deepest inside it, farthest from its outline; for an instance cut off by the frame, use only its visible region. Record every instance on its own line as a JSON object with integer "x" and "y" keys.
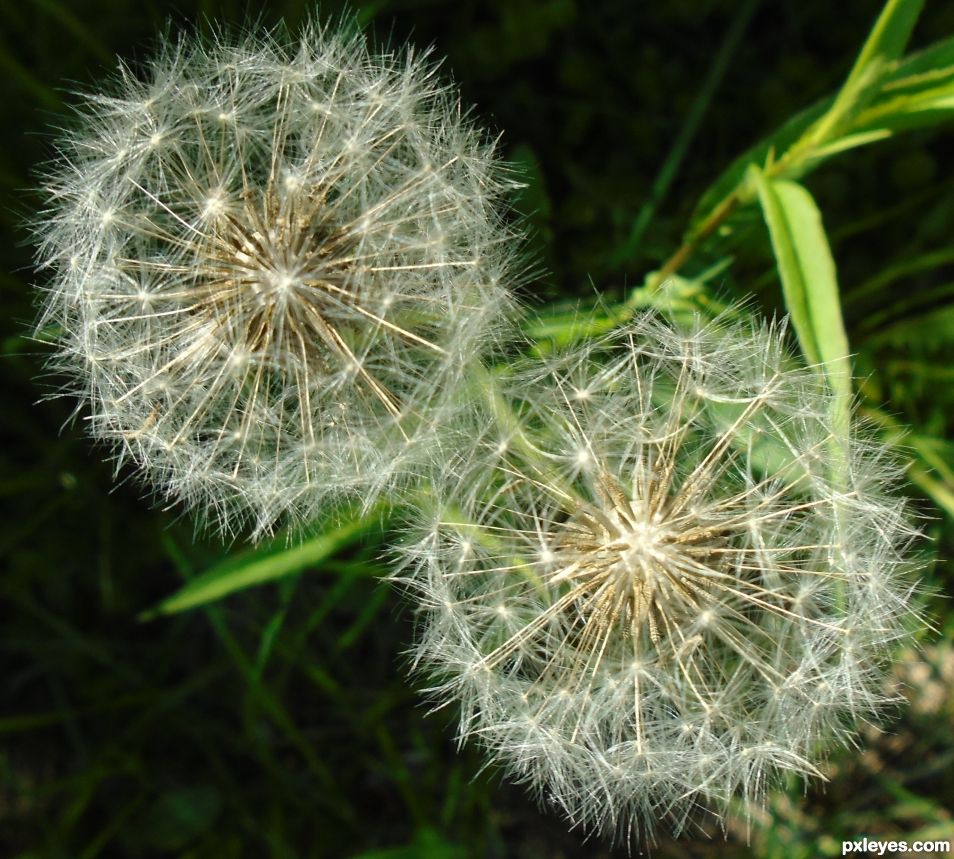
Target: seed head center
{"x": 277, "y": 276}
{"x": 279, "y": 284}
{"x": 631, "y": 566}
{"x": 641, "y": 543}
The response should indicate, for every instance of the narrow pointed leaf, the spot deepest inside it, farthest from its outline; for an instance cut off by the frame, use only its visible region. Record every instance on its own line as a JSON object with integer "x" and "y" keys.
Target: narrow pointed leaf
{"x": 809, "y": 283}
{"x": 888, "y": 38}
{"x": 257, "y": 567}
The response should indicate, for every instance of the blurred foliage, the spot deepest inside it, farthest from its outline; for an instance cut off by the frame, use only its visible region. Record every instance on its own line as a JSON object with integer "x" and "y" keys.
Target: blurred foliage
{"x": 278, "y": 722}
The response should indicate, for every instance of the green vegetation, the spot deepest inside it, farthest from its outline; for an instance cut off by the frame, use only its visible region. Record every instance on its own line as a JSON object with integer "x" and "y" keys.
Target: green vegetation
{"x": 165, "y": 695}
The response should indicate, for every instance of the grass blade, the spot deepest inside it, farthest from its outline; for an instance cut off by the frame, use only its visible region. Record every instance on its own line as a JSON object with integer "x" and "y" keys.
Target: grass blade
{"x": 687, "y": 133}
{"x": 259, "y": 566}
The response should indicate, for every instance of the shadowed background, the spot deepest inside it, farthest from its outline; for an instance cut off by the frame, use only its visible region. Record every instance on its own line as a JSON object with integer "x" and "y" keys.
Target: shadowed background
{"x": 279, "y": 722}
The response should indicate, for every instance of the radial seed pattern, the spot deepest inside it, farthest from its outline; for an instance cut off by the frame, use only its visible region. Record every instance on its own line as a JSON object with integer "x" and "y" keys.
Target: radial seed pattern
{"x": 669, "y": 583}
{"x": 271, "y": 262}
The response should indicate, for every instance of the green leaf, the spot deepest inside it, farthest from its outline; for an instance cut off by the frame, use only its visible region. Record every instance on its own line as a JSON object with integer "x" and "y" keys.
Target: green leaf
{"x": 778, "y": 141}
{"x": 921, "y": 109}
{"x": 258, "y": 566}
{"x": 843, "y": 144}
{"x": 888, "y": 38}
{"x": 675, "y": 296}
{"x": 885, "y": 44}
{"x": 809, "y": 284}
{"x": 822, "y": 130}
{"x": 916, "y": 93}
{"x": 922, "y": 66}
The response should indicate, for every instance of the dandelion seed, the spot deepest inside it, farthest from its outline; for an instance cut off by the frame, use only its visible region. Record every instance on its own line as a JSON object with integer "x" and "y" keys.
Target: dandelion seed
{"x": 698, "y": 606}
{"x": 271, "y": 260}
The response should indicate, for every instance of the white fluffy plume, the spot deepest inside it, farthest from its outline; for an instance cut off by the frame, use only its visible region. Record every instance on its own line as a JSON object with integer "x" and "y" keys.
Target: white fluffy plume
{"x": 663, "y": 580}
{"x": 270, "y": 259}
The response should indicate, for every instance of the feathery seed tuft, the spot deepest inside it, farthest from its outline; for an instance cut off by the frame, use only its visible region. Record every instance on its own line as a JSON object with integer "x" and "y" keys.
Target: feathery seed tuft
{"x": 669, "y": 582}
{"x": 271, "y": 260}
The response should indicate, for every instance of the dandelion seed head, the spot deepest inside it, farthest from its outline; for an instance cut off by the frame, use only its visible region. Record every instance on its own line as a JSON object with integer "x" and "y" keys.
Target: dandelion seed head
{"x": 270, "y": 258}
{"x": 702, "y": 609}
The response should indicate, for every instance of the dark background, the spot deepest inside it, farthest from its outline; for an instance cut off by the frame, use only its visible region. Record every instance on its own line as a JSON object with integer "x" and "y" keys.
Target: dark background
{"x": 279, "y": 722}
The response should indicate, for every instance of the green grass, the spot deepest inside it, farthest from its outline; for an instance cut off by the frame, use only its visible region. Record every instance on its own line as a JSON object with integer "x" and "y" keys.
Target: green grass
{"x": 278, "y": 720}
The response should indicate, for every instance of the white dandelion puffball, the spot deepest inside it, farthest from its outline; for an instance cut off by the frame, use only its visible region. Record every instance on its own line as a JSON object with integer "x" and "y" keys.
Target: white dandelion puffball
{"x": 271, "y": 259}
{"x": 664, "y": 581}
